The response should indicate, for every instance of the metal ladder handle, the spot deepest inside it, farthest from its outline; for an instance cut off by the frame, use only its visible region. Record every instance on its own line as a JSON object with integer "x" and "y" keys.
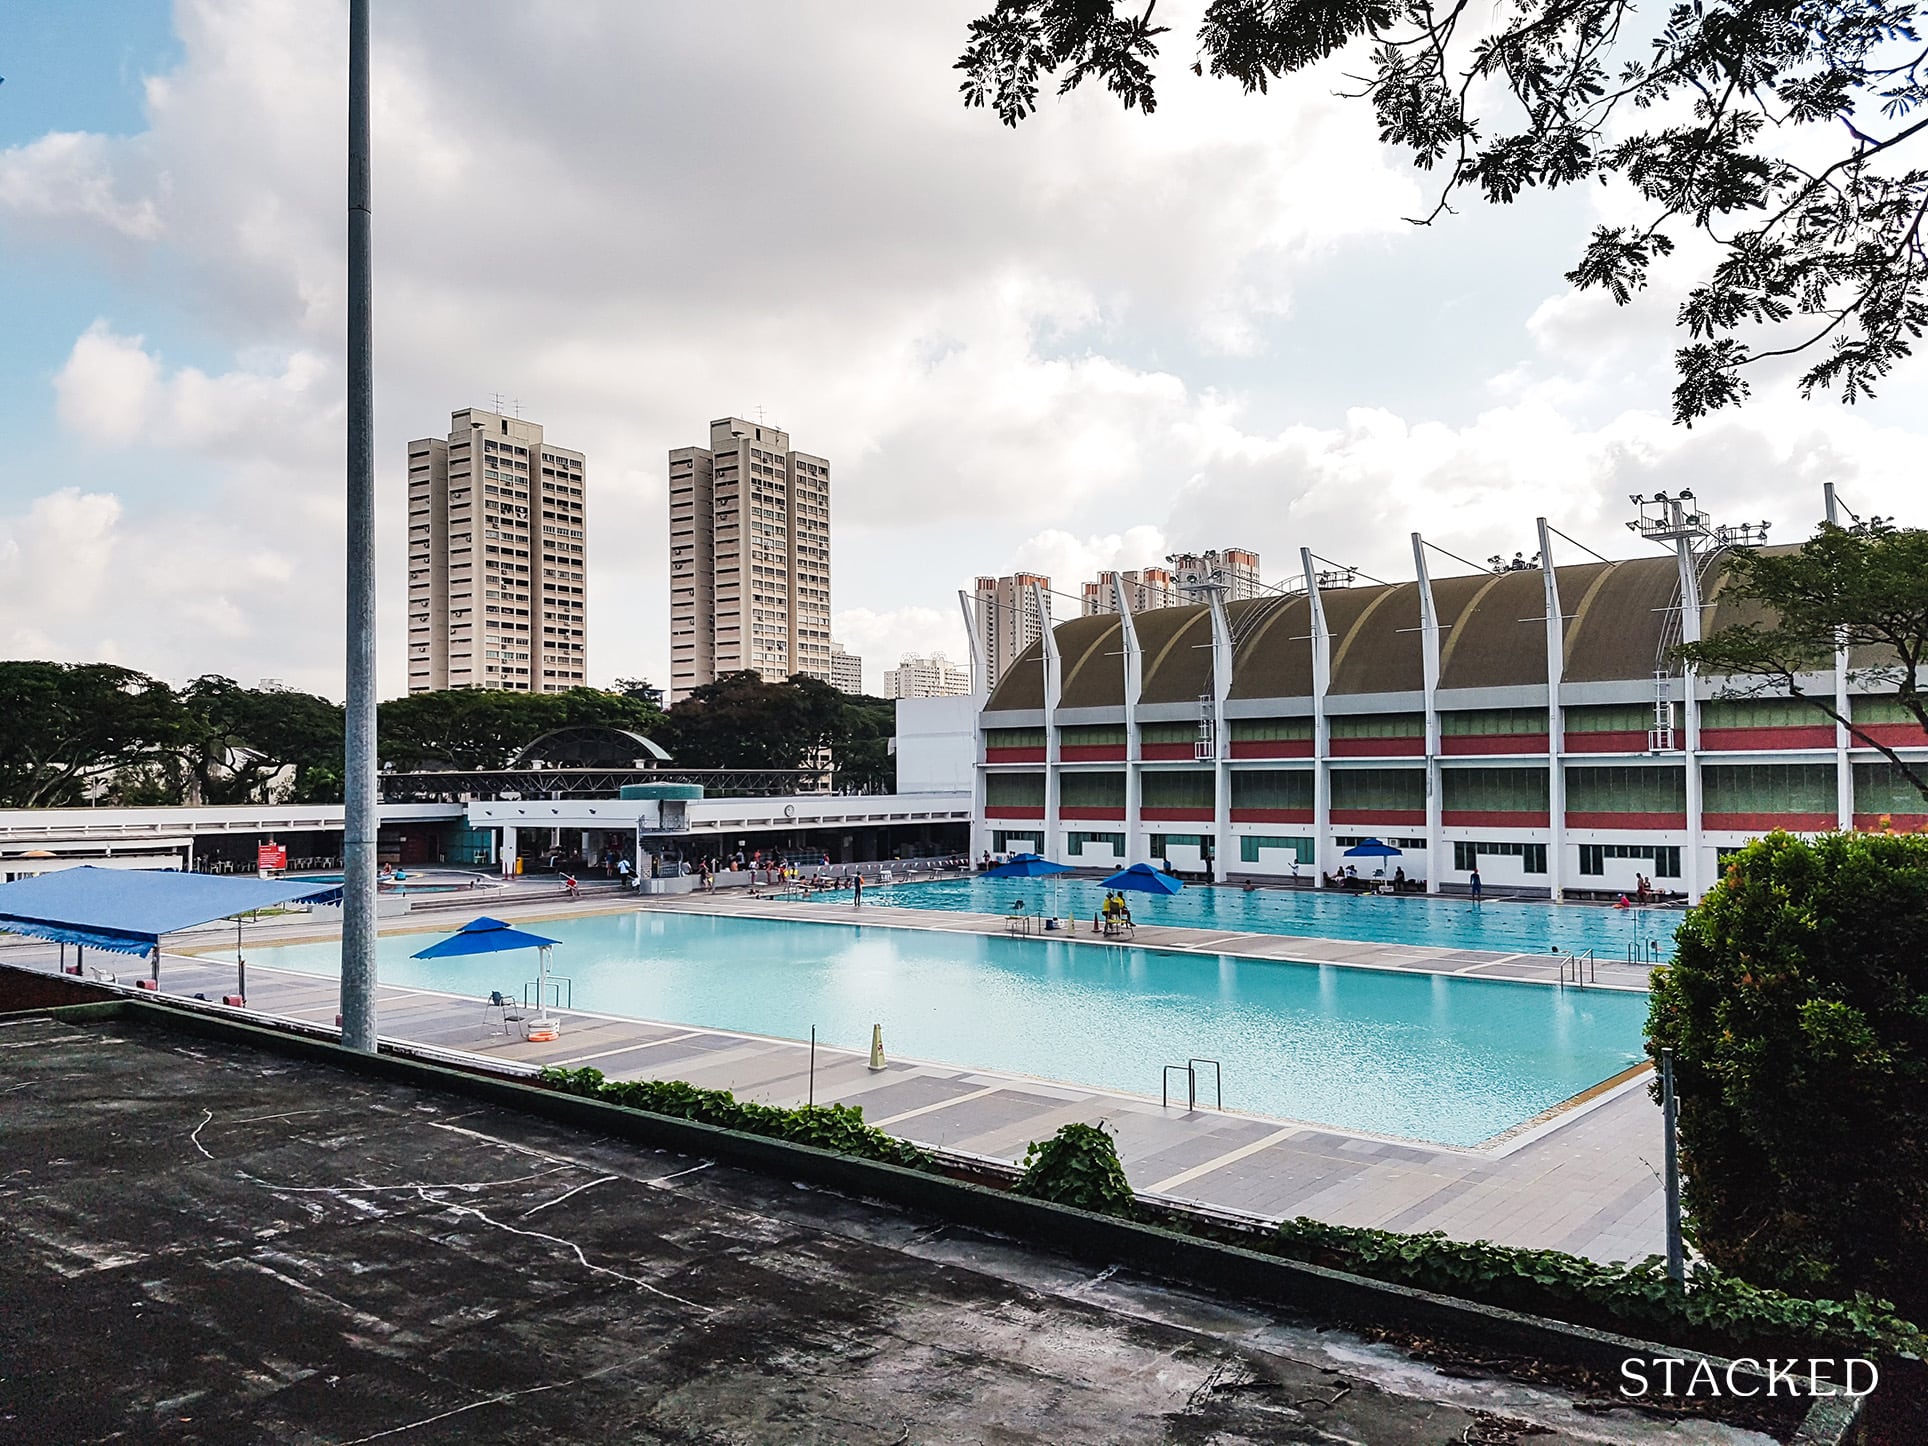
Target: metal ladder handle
{"x": 1218, "y": 1078}
{"x": 1191, "y": 1087}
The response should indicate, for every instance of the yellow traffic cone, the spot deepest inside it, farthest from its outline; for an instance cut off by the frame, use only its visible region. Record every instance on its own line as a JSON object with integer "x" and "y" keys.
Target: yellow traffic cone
{"x": 876, "y": 1046}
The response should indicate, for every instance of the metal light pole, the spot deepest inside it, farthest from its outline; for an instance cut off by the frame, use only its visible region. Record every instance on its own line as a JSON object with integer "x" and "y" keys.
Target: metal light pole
{"x": 1669, "y": 1115}
{"x": 359, "y": 817}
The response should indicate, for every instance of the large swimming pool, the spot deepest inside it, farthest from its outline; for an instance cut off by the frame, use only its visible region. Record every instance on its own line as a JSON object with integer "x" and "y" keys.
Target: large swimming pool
{"x": 1447, "y": 922}
{"x": 1425, "y": 1056}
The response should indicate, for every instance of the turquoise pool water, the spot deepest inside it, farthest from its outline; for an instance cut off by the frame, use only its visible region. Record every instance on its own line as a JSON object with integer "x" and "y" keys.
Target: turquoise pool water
{"x": 1429, "y": 1057}
{"x": 1442, "y": 922}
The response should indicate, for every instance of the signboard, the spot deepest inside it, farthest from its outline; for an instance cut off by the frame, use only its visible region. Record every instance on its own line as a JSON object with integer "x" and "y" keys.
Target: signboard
{"x": 271, "y": 856}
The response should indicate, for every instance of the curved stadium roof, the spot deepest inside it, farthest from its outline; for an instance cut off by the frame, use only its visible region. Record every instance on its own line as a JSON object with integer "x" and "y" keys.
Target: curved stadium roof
{"x": 1620, "y": 620}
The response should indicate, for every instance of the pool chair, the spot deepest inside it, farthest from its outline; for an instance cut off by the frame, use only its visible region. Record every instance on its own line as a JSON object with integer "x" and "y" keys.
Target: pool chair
{"x": 500, "y": 1001}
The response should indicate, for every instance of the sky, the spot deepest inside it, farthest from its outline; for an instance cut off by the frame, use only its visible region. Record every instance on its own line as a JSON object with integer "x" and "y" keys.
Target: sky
{"x": 1083, "y": 344}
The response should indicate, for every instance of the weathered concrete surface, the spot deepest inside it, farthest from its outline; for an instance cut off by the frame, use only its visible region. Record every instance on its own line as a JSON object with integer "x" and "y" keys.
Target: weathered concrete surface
{"x": 203, "y": 1243}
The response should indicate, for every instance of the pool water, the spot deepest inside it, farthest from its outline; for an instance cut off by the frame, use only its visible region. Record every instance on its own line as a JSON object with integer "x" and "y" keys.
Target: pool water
{"x": 1430, "y": 1057}
{"x": 1442, "y": 922}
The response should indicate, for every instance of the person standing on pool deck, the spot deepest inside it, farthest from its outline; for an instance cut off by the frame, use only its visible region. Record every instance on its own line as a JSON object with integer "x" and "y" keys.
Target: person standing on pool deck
{"x": 1475, "y": 882}
{"x": 857, "y": 891}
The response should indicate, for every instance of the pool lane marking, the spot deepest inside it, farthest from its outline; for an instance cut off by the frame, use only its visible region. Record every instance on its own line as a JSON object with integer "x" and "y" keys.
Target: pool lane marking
{"x": 1230, "y": 1157}
{"x": 940, "y": 1105}
{"x": 639, "y": 1044}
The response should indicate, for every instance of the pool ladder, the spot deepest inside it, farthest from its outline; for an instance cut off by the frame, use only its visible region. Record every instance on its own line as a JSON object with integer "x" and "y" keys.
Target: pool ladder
{"x": 1190, "y": 1070}
{"x": 1573, "y": 964}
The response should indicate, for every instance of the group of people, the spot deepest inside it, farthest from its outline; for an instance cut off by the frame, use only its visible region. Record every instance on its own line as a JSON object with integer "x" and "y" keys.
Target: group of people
{"x": 1348, "y": 879}
{"x": 1114, "y": 911}
{"x": 1643, "y": 893}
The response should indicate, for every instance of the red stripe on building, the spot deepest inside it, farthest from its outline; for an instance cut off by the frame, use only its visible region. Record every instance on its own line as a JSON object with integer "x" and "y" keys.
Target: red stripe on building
{"x": 1736, "y": 739}
{"x": 1378, "y": 748}
{"x": 1767, "y": 822}
{"x": 1092, "y": 752}
{"x": 1180, "y": 813}
{"x": 1618, "y": 741}
{"x": 1491, "y": 818}
{"x": 1625, "y": 822}
{"x": 1265, "y": 748}
{"x": 1379, "y": 817}
{"x": 1464, "y": 743}
{"x": 1272, "y": 815}
{"x": 1087, "y": 812}
{"x": 1014, "y": 755}
{"x": 1885, "y": 822}
{"x": 1185, "y": 751}
{"x": 1894, "y": 735}
{"x": 1014, "y": 810}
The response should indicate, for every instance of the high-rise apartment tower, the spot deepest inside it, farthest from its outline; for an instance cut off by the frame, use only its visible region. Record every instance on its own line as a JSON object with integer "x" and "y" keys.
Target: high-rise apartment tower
{"x": 497, "y": 559}
{"x": 933, "y": 677}
{"x": 1005, "y": 613}
{"x": 749, "y": 558}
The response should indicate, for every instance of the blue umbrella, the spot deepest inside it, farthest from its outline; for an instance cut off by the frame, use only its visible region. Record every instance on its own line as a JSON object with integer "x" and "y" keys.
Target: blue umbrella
{"x": 1372, "y": 848}
{"x": 492, "y": 936}
{"x": 1144, "y": 879}
{"x": 1028, "y": 866}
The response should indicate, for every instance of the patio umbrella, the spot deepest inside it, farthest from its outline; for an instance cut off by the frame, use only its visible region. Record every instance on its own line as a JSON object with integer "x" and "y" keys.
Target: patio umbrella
{"x": 1029, "y": 866}
{"x": 1144, "y": 879}
{"x": 492, "y": 936}
{"x": 1372, "y": 848}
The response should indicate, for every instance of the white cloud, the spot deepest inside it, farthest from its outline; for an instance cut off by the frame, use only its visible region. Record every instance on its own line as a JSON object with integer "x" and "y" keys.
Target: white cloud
{"x": 68, "y": 177}
{"x": 882, "y": 638}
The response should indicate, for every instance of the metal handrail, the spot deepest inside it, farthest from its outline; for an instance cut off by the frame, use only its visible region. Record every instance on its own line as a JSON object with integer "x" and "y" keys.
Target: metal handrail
{"x": 1218, "y": 1079}
{"x": 563, "y": 985}
{"x": 1191, "y": 1087}
{"x": 1577, "y": 960}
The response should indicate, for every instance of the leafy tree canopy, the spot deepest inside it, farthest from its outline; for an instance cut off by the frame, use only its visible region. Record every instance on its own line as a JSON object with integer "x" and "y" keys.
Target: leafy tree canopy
{"x": 1797, "y": 1006}
{"x": 71, "y": 725}
{"x": 742, "y": 721}
{"x": 486, "y": 727}
{"x": 1776, "y": 128}
{"x": 1863, "y": 587}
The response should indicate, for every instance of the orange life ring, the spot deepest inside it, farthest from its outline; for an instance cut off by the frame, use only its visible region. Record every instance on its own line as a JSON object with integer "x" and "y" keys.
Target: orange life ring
{"x": 543, "y": 1036}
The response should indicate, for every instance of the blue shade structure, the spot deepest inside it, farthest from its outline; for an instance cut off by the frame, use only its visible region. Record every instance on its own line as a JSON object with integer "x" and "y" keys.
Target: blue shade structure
{"x": 1029, "y": 866}
{"x": 128, "y": 910}
{"x": 1144, "y": 879}
{"x": 483, "y": 936}
{"x": 1372, "y": 848}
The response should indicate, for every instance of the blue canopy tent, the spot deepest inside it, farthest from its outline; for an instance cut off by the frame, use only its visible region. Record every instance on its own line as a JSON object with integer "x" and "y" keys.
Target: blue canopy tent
{"x": 1144, "y": 879}
{"x": 1029, "y": 866}
{"x": 1372, "y": 848}
{"x": 128, "y": 910}
{"x": 493, "y": 936}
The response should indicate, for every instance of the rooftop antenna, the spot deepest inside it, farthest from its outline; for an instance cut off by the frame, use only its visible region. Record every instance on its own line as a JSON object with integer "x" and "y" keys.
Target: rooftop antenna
{"x": 517, "y": 404}
{"x": 759, "y": 412}
{"x": 495, "y": 402}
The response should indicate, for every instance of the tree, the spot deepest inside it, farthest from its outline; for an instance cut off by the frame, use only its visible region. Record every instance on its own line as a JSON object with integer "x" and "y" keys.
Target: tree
{"x": 238, "y": 741}
{"x": 741, "y": 721}
{"x": 1797, "y": 1008}
{"x": 1863, "y": 587}
{"x": 1774, "y": 129}
{"x": 484, "y": 728}
{"x": 69, "y": 725}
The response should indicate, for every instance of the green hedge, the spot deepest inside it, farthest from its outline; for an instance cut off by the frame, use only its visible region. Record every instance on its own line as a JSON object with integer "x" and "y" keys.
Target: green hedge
{"x": 1715, "y": 1312}
{"x": 839, "y": 1128}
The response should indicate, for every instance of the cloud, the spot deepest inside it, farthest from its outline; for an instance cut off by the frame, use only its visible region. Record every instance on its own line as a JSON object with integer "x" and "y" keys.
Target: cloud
{"x": 883, "y": 638}
{"x": 68, "y": 177}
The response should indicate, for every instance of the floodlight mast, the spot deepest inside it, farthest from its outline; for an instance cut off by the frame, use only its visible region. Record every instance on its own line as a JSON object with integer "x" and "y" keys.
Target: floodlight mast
{"x": 360, "y": 817}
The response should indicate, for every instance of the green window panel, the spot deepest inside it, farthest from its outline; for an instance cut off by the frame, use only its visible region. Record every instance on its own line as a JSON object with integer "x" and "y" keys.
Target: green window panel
{"x": 1881, "y": 708}
{"x": 1610, "y": 718}
{"x": 1532, "y": 856}
{"x": 1005, "y": 841}
{"x": 1267, "y": 730}
{"x": 1768, "y": 788}
{"x": 1383, "y": 788}
{"x": 1626, "y": 790}
{"x": 1162, "y": 843}
{"x": 1380, "y": 725}
{"x": 1759, "y": 713}
{"x": 1177, "y": 788}
{"x": 1665, "y": 858}
{"x": 1493, "y": 790}
{"x": 1250, "y": 844}
{"x": 1091, "y": 790}
{"x": 1014, "y": 788}
{"x": 1487, "y": 721}
{"x": 1014, "y": 738}
{"x": 1075, "y": 841}
{"x": 1272, "y": 788}
{"x": 1168, "y": 732}
{"x": 1883, "y": 788}
{"x": 1091, "y": 735}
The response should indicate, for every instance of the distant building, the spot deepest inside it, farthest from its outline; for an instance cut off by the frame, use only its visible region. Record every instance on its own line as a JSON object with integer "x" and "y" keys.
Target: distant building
{"x": 1237, "y": 569}
{"x": 1145, "y": 589}
{"x": 1005, "y": 614}
{"x": 846, "y": 670}
{"x": 749, "y": 558}
{"x": 933, "y": 677}
{"x": 497, "y": 559}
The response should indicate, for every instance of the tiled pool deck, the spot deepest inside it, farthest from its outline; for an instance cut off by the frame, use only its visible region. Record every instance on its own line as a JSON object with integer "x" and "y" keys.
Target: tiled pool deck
{"x": 1585, "y": 1180}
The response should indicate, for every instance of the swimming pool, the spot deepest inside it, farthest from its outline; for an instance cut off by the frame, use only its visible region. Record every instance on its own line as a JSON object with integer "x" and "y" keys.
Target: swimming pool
{"x": 1442, "y": 922}
{"x": 1430, "y": 1057}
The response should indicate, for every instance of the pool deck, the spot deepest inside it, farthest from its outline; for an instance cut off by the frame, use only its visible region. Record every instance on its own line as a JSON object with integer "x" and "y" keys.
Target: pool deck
{"x": 1584, "y": 1180}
